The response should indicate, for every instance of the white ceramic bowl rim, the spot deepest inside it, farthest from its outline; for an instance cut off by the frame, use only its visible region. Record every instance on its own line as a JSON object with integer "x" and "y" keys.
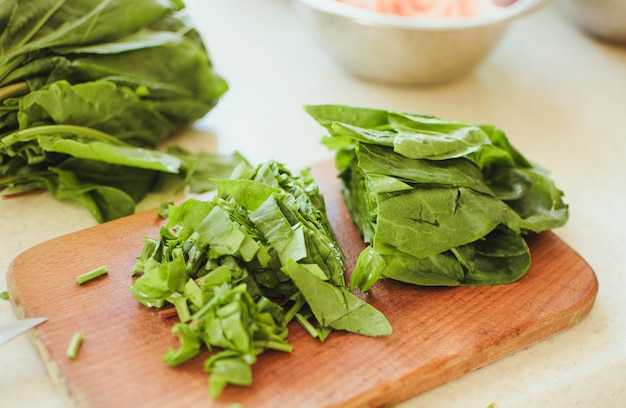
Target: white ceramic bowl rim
{"x": 369, "y": 17}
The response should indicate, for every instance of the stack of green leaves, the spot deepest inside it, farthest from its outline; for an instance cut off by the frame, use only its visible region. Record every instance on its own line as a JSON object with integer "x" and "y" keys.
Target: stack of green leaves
{"x": 90, "y": 88}
{"x": 441, "y": 203}
{"x": 263, "y": 236}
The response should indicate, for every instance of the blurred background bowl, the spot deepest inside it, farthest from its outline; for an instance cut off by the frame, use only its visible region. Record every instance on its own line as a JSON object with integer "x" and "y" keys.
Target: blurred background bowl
{"x": 604, "y": 19}
{"x": 406, "y": 50}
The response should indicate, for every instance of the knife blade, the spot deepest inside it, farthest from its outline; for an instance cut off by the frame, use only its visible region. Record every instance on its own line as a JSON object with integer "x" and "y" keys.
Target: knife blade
{"x": 14, "y": 329}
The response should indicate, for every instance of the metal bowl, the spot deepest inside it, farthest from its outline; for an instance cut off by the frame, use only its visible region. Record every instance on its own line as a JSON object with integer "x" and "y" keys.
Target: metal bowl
{"x": 604, "y": 19}
{"x": 402, "y": 50}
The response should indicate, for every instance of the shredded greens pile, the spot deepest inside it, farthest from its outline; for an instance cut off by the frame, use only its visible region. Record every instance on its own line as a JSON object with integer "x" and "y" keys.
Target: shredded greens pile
{"x": 440, "y": 203}
{"x": 88, "y": 90}
{"x": 240, "y": 267}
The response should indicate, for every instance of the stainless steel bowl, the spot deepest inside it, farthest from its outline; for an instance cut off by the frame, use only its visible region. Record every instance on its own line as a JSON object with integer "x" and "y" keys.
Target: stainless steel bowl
{"x": 402, "y": 50}
{"x": 604, "y": 19}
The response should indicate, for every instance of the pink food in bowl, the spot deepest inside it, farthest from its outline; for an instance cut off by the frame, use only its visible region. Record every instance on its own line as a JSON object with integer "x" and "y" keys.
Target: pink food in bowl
{"x": 432, "y": 8}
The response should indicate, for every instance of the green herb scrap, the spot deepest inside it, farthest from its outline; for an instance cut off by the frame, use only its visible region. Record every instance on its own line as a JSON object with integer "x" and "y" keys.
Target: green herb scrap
{"x": 240, "y": 267}
{"x": 74, "y": 346}
{"x": 92, "y": 274}
{"x": 89, "y": 89}
{"x": 440, "y": 202}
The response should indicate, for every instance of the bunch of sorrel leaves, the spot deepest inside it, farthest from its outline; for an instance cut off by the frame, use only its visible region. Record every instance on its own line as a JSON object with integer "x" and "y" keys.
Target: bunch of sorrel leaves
{"x": 441, "y": 203}
{"x": 240, "y": 267}
{"x": 88, "y": 91}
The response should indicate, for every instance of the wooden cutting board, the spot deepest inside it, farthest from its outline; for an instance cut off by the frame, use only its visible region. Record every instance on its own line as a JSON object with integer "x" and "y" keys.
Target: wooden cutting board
{"x": 439, "y": 333}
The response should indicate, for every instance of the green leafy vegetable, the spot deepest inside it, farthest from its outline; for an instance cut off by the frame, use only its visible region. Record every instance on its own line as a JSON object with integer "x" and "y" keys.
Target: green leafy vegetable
{"x": 440, "y": 202}
{"x": 103, "y": 82}
{"x": 240, "y": 267}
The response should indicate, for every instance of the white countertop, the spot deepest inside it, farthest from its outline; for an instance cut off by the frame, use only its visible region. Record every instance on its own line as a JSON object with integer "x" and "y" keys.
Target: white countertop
{"x": 559, "y": 95}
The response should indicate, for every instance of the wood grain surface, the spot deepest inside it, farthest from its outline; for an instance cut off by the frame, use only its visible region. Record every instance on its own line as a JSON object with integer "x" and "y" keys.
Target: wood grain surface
{"x": 439, "y": 333}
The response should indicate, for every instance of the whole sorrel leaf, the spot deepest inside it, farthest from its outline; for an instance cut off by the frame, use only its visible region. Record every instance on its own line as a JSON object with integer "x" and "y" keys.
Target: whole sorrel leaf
{"x": 100, "y": 105}
{"x": 420, "y": 142}
{"x": 123, "y": 155}
{"x": 104, "y": 202}
{"x": 93, "y": 174}
{"x": 430, "y": 220}
{"x": 458, "y": 172}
